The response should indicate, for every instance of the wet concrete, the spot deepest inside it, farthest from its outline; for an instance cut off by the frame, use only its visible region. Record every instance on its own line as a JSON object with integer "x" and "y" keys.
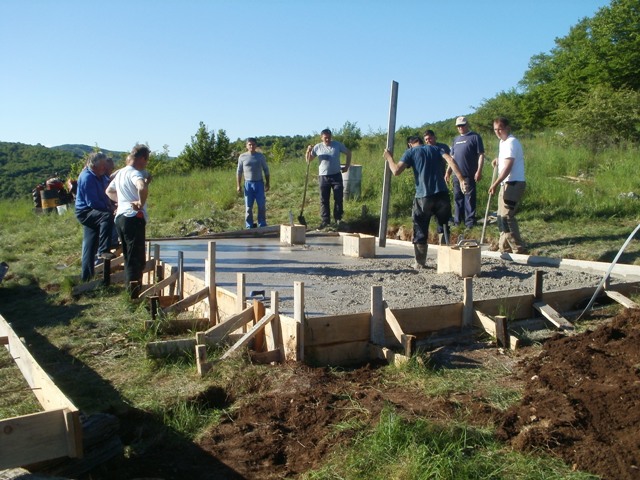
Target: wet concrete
{"x": 270, "y": 265}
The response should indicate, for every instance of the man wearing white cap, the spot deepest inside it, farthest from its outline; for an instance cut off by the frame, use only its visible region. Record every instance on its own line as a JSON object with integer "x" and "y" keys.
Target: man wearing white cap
{"x": 468, "y": 152}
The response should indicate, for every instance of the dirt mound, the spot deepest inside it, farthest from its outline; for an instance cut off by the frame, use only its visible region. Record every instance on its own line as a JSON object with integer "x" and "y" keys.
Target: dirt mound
{"x": 294, "y": 422}
{"x": 582, "y": 400}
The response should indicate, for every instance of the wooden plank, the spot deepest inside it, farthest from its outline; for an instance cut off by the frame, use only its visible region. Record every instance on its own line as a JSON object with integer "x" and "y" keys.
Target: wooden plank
{"x": 419, "y": 321}
{"x": 342, "y": 354}
{"x": 176, "y": 326}
{"x": 441, "y": 339}
{"x": 33, "y": 438}
{"x": 394, "y": 325}
{"x": 188, "y": 302}
{"x": 331, "y": 330}
{"x": 167, "y": 348}
{"x": 271, "y": 356}
{"x": 487, "y": 323}
{"x": 257, "y": 328}
{"x": 554, "y": 317}
{"x": 378, "y": 352}
{"x": 161, "y": 285}
{"x": 258, "y": 312}
{"x": 502, "y": 334}
{"x": 221, "y": 330}
{"x": 301, "y": 320}
{"x": 621, "y": 299}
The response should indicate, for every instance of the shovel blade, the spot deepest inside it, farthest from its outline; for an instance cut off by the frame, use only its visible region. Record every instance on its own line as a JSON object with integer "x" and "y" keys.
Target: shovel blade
{"x": 302, "y": 220}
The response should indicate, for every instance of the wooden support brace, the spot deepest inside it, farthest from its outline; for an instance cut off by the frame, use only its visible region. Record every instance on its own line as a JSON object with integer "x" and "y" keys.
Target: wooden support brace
{"x": 201, "y": 360}
{"x": 188, "y": 302}
{"x": 221, "y": 330}
{"x": 409, "y": 344}
{"x": 502, "y": 334}
{"x": 161, "y": 285}
{"x": 258, "y": 312}
{"x": 489, "y": 325}
{"x": 248, "y": 336}
{"x": 621, "y": 299}
{"x": 376, "y": 328}
{"x": 384, "y": 353}
{"x": 298, "y": 316}
{"x": 395, "y": 327}
{"x": 553, "y": 317}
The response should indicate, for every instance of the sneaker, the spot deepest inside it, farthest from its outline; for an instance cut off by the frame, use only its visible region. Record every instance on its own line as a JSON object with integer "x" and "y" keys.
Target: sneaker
{"x": 107, "y": 256}
{"x": 418, "y": 266}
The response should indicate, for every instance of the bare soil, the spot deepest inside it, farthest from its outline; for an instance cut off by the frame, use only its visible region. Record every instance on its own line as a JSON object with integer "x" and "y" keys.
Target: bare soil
{"x": 581, "y": 403}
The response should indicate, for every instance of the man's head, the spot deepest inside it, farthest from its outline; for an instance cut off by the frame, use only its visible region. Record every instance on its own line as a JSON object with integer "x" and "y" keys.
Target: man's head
{"x": 139, "y": 157}
{"x": 501, "y": 127}
{"x": 252, "y": 144}
{"x": 430, "y": 137}
{"x": 414, "y": 141}
{"x": 109, "y": 166}
{"x": 97, "y": 163}
{"x": 325, "y": 135}
{"x": 462, "y": 124}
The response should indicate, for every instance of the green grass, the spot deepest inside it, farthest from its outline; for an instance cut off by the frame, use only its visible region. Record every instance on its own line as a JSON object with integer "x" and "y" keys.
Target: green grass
{"x": 94, "y": 345}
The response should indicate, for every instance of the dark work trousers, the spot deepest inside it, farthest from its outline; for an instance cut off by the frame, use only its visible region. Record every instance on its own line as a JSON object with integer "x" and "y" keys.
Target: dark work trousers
{"x": 465, "y": 203}
{"x": 328, "y": 183}
{"x": 423, "y": 208}
{"x": 132, "y": 235}
{"x": 97, "y": 229}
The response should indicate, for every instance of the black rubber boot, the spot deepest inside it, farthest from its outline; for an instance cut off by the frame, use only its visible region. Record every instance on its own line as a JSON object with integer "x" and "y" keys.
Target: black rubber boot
{"x": 420, "y": 251}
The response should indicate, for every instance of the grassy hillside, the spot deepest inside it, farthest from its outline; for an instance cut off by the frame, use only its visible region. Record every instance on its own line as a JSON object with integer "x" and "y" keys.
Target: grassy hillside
{"x": 578, "y": 205}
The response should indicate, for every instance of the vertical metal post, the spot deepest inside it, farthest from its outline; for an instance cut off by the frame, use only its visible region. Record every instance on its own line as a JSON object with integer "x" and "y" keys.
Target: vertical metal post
{"x": 386, "y": 187}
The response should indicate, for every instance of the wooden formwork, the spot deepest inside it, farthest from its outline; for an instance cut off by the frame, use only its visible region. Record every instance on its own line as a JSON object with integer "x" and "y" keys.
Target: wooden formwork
{"x": 53, "y": 433}
{"x": 391, "y": 334}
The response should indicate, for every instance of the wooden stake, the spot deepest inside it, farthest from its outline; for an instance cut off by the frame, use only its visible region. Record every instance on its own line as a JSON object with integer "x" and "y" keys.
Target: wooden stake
{"x": 467, "y": 303}
{"x": 214, "y": 317}
{"x": 180, "y": 292}
{"x": 298, "y": 316}
{"x": 376, "y": 327}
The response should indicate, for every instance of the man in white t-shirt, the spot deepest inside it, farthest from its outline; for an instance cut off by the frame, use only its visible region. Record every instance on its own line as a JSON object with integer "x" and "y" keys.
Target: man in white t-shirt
{"x": 512, "y": 184}
{"x": 129, "y": 189}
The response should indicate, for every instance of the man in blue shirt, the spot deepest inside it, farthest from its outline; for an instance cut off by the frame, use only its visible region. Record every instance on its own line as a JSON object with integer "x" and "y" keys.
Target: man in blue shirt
{"x": 468, "y": 152}
{"x": 95, "y": 212}
{"x": 432, "y": 193}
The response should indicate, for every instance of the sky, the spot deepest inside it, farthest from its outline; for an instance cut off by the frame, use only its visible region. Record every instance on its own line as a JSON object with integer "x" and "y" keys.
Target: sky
{"x": 120, "y": 72}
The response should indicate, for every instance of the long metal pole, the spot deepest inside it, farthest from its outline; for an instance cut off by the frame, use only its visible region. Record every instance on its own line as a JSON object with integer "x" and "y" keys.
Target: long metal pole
{"x": 386, "y": 187}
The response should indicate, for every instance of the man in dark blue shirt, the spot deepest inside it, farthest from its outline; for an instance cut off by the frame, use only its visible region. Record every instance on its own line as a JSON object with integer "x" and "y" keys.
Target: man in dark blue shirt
{"x": 432, "y": 193}
{"x": 94, "y": 211}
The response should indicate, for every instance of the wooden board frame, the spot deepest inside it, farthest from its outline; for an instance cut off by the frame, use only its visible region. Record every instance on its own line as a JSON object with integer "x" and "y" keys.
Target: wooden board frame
{"x": 54, "y": 433}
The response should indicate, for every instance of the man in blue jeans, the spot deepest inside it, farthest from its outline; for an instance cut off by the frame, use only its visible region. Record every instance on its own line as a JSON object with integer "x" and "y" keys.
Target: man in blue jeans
{"x": 468, "y": 152}
{"x": 252, "y": 164}
{"x": 95, "y": 212}
{"x": 330, "y": 175}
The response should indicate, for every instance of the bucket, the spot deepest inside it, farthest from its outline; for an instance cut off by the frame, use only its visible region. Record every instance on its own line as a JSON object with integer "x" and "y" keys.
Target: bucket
{"x": 50, "y": 200}
{"x": 352, "y": 181}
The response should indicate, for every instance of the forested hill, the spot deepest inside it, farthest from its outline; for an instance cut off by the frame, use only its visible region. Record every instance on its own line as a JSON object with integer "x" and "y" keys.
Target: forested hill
{"x": 22, "y": 167}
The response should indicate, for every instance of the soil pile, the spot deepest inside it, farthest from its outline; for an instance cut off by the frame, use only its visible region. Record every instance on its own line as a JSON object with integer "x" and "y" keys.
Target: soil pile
{"x": 582, "y": 400}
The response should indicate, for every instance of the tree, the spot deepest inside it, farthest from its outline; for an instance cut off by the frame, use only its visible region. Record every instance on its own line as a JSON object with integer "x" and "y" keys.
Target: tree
{"x": 201, "y": 152}
{"x": 277, "y": 152}
{"x": 349, "y": 134}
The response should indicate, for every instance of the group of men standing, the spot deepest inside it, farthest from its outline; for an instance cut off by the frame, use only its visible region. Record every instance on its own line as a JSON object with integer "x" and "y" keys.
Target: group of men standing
{"x": 107, "y": 201}
{"x": 464, "y": 163}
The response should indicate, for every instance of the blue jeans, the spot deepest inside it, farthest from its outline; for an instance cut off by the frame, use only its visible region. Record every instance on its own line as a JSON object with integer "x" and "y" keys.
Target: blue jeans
{"x": 97, "y": 229}
{"x": 465, "y": 203}
{"x": 254, "y": 192}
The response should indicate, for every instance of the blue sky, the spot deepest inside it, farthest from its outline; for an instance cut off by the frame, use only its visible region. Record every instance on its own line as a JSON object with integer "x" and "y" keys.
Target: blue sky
{"x": 117, "y": 72}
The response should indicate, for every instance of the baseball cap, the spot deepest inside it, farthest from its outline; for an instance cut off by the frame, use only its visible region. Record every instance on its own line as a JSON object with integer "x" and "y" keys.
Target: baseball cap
{"x": 461, "y": 121}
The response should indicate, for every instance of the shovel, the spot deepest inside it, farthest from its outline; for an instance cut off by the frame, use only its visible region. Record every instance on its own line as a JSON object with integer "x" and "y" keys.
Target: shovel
{"x": 301, "y": 219}
{"x": 486, "y": 213}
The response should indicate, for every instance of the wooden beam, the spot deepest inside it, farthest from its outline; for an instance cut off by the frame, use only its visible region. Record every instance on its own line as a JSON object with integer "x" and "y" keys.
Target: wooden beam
{"x": 210, "y": 276}
{"x": 384, "y": 353}
{"x": 188, "y": 302}
{"x": 467, "y": 303}
{"x": 248, "y": 336}
{"x": 395, "y": 327}
{"x": 621, "y": 299}
{"x": 161, "y": 285}
{"x": 299, "y": 317}
{"x": 487, "y": 323}
{"x": 502, "y": 334}
{"x": 167, "y": 348}
{"x": 258, "y": 312}
{"x": 553, "y": 317}
{"x": 220, "y": 331}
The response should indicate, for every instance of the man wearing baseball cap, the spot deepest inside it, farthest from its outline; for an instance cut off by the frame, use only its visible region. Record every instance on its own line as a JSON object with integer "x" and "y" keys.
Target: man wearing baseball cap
{"x": 467, "y": 151}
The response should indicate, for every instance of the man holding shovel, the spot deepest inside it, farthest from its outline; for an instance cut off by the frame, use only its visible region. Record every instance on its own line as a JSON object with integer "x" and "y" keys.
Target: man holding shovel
{"x": 510, "y": 178}
{"x": 432, "y": 194}
{"x": 330, "y": 175}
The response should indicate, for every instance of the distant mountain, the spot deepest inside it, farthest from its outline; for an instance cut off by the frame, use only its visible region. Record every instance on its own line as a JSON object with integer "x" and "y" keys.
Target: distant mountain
{"x": 81, "y": 150}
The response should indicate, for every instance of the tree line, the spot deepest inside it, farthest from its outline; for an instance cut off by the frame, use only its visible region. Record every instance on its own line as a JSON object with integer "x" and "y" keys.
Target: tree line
{"x": 585, "y": 91}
